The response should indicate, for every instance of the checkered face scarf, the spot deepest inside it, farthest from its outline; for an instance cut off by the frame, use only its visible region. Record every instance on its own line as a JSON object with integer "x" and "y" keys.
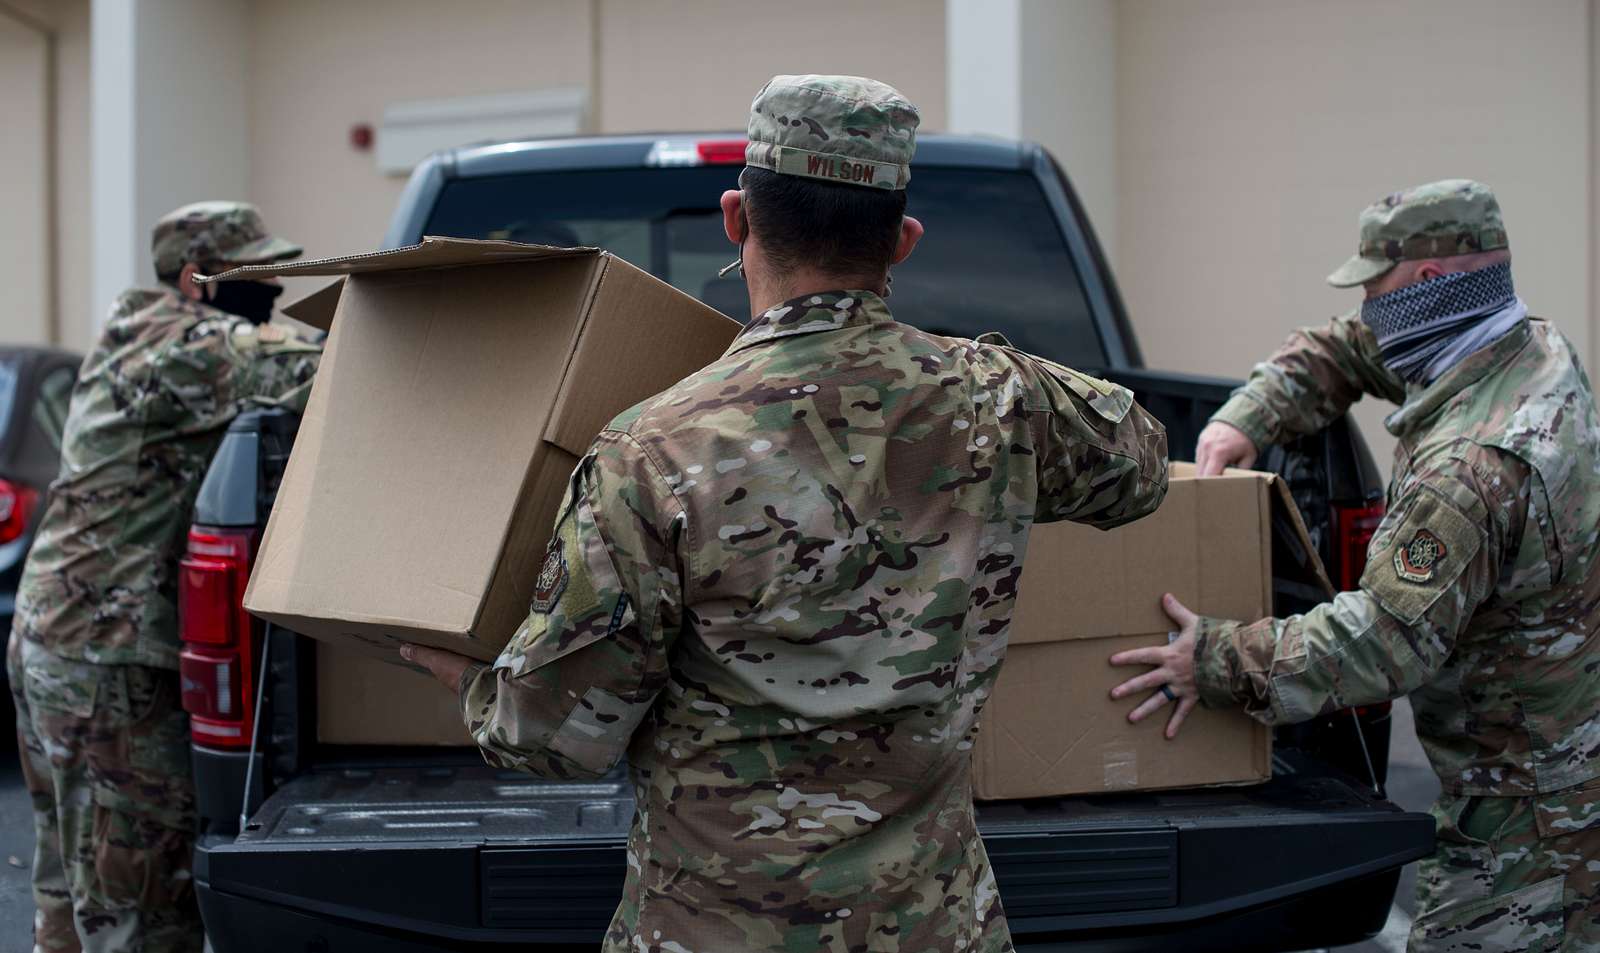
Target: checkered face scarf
{"x": 1425, "y": 328}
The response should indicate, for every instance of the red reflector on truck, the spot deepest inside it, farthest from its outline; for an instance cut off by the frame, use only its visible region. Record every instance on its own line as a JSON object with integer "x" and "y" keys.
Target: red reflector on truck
{"x": 721, "y": 151}
{"x": 1353, "y": 527}
{"x": 210, "y": 684}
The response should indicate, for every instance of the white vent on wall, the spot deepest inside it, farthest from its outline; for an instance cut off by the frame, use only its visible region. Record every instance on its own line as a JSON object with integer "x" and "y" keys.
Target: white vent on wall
{"x": 412, "y": 130}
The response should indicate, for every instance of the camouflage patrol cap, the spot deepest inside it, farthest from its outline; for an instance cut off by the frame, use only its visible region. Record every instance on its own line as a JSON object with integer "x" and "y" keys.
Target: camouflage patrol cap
{"x": 844, "y": 129}
{"x": 210, "y": 232}
{"x": 1437, "y": 220}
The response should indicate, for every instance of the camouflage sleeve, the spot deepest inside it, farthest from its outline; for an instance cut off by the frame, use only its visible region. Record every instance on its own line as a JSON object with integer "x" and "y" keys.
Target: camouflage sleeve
{"x": 224, "y": 363}
{"x": 564, "y": 697}
{"x": 1436, "y": 557}
{"x": 1102, "y": 458}
{"x": 275, "y": 365}
{"x": 1310, "y": 382}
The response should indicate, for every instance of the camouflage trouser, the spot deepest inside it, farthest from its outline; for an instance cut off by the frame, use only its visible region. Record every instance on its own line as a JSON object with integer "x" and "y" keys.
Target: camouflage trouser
{"x": 1512, "y": 874}
{"x": 105, "y": 755}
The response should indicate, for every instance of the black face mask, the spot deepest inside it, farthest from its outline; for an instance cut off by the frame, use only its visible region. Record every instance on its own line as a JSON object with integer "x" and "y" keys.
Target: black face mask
{"x": 251, "y": 300}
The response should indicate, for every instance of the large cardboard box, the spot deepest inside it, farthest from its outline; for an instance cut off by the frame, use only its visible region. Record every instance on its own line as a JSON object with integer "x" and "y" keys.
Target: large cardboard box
{"x": 461, "y": 383}
{"x": 364, "y": 701}
{"x": 1050, "y": 728}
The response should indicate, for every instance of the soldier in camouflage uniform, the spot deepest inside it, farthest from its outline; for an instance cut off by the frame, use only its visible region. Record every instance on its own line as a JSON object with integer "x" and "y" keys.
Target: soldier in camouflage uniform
{"x": 1481, "y": 596}
{"x": 93, "y": 655}
{"x": 783, "y": 586}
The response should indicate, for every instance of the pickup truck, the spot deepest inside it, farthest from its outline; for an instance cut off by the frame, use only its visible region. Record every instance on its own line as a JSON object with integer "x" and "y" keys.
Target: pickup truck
{"x": 317, "y": 847}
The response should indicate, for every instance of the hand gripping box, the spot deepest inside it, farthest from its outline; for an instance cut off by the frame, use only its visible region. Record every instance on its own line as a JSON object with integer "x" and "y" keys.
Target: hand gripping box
{"x": 461, "y": 383}
{"x": 1050, "y": 728}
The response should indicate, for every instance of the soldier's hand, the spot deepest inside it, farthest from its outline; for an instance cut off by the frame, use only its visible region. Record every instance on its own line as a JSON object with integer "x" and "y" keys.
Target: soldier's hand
{"x": 1172, "y": 677}
{"x": 445, "y": 666}
{"x": 1223, "y": 445}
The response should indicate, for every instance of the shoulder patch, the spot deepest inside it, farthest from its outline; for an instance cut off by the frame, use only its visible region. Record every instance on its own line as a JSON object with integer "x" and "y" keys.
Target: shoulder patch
{"x": 1419, "y": 553}
{"x": 552, "y": 581}
{"x": 1419, "y": 559}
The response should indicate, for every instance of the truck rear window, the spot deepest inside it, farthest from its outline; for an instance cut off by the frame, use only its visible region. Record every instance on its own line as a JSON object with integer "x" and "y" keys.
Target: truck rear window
{"x": 993, "y": 258}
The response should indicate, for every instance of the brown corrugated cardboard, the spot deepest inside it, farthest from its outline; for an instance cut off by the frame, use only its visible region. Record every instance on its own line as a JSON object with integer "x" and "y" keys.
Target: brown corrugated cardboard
{"x": 462, "y": 380}
{"x": 363, "y": 701}
{"x": 1050, "y": 727}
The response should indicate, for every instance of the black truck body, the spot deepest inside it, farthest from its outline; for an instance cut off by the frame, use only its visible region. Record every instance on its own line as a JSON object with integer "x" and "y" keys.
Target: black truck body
{"x": 307, "y": 846}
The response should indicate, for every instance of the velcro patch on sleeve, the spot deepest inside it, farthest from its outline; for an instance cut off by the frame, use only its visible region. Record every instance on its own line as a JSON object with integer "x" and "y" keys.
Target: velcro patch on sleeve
{"x": 1419, "y": 553}
{"x": 578, "y": 598}
{"x": 1110, "y": 401}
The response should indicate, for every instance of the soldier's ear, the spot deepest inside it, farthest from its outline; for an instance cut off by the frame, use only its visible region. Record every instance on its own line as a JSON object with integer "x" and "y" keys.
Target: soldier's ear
{"x": 1427, "y": 271}
{"x": 733, "y": 221}
{"x": 186, "y": 285}
{"x": 910, "y": 234}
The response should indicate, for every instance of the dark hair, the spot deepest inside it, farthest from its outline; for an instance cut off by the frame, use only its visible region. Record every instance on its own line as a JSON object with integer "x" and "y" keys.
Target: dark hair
{"x": 844, "y": 230}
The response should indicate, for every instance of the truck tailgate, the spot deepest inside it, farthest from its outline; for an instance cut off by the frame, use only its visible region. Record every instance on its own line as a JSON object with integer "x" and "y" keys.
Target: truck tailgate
{"x": 464, "y": 854}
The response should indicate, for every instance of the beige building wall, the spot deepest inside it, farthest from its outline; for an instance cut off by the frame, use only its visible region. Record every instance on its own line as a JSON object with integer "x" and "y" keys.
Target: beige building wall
{"x": 1069, "y": 102}
{"x": 78, "y": 311}
{"x": 1250, "y": 133}
{"x": 40, "y": 308}
{"x": 669, "y": 65}
{"x": 24, "y": 114}
{"x": 317, "y": 69}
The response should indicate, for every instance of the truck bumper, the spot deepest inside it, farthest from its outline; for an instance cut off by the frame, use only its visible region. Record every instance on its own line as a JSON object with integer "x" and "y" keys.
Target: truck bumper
{"x": 336, "y": 863}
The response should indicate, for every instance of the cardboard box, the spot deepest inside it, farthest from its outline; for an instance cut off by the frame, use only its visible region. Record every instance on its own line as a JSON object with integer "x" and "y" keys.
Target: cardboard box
{"x": 461, "y": 383}
{"x": 362, "y": 701}
{"x": 1050, "y": 728}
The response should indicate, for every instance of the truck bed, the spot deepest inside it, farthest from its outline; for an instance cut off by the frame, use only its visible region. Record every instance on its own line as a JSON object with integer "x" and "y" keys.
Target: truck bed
{"x": 441, "y": 852}
{"x": 423, "y": 849}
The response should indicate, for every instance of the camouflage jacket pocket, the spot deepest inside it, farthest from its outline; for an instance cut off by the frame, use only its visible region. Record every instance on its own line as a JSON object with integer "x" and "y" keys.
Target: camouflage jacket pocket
{"x": 140, "y": 755}
{"x": 1568, "y": 812}
{"x": 1529, "y": 920}
{"x": 57, "y": 686}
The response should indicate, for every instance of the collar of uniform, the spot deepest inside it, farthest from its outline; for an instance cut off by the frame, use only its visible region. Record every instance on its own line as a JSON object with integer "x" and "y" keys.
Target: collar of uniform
{"x": 824, "y": 311}
{"x": 1422, "y": 403}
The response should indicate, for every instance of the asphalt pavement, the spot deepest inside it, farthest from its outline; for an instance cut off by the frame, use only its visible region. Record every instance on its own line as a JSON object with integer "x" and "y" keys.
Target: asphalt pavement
{"x": 1411, "y": 785}
{"x": 16, "y": 855}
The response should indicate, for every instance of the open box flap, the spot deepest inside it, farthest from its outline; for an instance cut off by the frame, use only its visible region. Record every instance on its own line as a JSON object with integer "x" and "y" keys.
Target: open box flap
{"x": 431, "y": 252}
{"x": 318, "y": 307}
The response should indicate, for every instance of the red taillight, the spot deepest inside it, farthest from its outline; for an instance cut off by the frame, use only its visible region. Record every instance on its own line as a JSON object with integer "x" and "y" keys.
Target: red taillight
{"x": 220, "y": 639}
{"x": 721, "y": 151}
{"x": 1353, "y": 527}
{"x": 206, "y": 602}
{"x": 16, "y": 506}
{"x": 211, "y": 684}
